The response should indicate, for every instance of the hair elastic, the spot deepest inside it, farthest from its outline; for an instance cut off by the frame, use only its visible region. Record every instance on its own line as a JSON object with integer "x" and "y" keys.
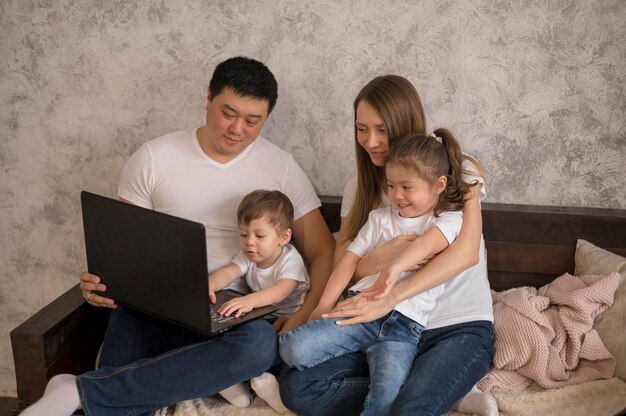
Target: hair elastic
{"x": 434, "y": 136}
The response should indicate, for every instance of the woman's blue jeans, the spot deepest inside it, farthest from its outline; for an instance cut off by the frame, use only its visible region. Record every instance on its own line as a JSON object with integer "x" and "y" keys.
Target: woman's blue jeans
{"x": 147, "y": 364}
{"x": 450, "y": 361}
{"x": 390, "y": 345}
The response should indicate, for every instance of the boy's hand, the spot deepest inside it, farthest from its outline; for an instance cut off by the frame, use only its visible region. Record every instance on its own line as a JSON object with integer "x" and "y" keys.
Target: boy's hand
{"x": 212, "y": 297}
{"x": 387, "y": 277}
{"x": 238, "y": 306}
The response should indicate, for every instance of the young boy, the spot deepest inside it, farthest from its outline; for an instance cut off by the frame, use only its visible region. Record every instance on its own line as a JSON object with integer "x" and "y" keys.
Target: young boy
{"x": 273, "y": 269}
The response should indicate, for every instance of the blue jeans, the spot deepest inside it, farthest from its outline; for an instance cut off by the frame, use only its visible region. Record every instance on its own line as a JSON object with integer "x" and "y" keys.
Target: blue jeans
{"x": 147, "y": 364}
{"x": 390, "y": 345}
{"x": 451, "y": 360}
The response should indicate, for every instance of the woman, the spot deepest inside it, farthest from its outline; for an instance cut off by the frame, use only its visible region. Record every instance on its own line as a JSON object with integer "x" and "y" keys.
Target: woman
{"x": 455, "y": 350}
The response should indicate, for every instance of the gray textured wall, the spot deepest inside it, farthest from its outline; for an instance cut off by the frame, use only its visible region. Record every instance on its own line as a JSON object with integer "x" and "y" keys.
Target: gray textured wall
{"x": 534, "y": 90}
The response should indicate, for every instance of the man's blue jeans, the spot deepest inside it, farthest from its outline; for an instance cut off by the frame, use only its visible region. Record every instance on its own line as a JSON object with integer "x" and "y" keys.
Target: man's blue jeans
{"x": 147, "y": 364}
{"x": 390, "y": 345}
{"x": 451, "y": 360}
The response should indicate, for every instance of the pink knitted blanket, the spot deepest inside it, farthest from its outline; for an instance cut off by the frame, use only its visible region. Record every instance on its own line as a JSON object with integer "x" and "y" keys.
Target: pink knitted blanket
{"x": 547, "y": 335}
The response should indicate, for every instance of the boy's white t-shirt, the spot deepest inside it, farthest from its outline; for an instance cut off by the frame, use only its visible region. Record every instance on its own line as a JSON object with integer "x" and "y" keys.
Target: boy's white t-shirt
{"x": 172, "y": 174}
{"x": 467, "y": 297}
{"x": 288, "y": 266}
{"x": 384, "y": 224}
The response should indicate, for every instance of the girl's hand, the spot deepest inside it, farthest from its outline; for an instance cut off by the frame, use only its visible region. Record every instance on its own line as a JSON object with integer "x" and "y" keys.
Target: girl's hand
{"x": 357, "y": 309}
{"x": 212, "y": 297}
{"x": 238, "y": 306}
{"x": 316, "y": 314}
{"x": 387, "y": 277}
{"x": 383, "y": 256}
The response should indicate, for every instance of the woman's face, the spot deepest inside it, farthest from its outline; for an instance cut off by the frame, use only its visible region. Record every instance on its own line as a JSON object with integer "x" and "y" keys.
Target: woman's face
{"x": 371, "y": 133}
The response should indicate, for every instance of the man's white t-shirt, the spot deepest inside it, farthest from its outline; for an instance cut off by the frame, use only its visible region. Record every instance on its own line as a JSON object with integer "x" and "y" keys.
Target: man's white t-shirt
{"x": 384, "y": 224}
{"x": 288, "y": 266}
{"x": 172, "y": 174}
{"x": 467, "y": 297}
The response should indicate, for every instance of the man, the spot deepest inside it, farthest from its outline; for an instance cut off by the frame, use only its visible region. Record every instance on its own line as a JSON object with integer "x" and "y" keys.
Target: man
{"x": 199, "y": 174}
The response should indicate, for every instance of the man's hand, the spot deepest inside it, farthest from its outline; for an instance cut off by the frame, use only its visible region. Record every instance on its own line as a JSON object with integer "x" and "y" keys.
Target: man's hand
{"x": 90, "y": 282}
{"x": 357, "y": 309}
{"x": 288, "y": 322}
{"x": 317, "y": 314}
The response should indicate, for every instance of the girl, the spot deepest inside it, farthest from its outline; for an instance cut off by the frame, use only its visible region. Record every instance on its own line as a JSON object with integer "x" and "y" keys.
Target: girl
{"x": 456, "y": 346}
{"x": 426, "y": 191}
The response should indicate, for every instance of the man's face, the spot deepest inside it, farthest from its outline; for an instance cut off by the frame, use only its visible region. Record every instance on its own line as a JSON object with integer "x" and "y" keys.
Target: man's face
{"x": 232, "y": 124}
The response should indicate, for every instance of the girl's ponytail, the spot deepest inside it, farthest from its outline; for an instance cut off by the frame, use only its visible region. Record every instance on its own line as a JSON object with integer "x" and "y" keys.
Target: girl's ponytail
{"x": 453, "y": 198}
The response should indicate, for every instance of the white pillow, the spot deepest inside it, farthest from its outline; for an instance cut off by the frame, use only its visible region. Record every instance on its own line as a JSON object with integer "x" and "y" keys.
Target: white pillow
{"x": 610, "y": 324}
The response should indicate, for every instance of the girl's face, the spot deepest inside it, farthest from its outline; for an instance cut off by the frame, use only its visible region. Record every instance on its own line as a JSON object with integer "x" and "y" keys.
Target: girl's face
{"x": 410, "y": 194}
{"x": 371, "y": 133}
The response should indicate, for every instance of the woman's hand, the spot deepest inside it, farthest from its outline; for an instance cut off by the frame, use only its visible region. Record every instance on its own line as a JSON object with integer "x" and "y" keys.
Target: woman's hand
{"x": 90, "y": 282}
{"x": 357, "y": 309}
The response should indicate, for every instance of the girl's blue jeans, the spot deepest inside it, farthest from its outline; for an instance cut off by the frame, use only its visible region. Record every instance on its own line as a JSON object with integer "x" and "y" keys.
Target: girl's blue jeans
{"x": 450, "y": 361}
{"x": 147, "y": 364}
{"x": 390, "y": 345}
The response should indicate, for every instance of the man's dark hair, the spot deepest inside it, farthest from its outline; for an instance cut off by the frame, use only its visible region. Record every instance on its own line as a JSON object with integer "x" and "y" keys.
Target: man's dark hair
{"x": 246, "y": 77}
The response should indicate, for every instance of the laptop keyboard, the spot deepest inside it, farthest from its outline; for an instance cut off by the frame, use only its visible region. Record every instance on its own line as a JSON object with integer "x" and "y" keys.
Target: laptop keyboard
{"x": 216, "y": 317}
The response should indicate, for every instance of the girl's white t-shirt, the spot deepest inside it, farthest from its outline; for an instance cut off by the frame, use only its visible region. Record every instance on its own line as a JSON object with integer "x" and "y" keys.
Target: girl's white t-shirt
{"x": 467, "y": 297}
{"x": 383, "y": 224}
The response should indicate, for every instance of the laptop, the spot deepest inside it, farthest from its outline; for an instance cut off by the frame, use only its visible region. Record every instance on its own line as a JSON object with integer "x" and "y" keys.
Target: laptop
{"x": 155, "y": 263}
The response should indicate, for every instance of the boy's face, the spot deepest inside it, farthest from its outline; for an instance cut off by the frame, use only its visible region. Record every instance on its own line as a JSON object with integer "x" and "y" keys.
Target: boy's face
{"x": 261, "y": 242}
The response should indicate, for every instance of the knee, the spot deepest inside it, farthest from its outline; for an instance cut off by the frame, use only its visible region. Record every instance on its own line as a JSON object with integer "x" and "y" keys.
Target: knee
{"x": 257, "y": 340}
{"x": 293, "y": 350}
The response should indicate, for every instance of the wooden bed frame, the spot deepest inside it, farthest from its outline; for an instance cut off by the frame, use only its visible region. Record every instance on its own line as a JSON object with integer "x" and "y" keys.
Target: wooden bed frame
{"x": 526, "y": 245}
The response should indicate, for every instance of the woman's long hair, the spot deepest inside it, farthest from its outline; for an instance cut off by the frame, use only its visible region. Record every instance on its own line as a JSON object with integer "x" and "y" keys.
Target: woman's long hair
{"x": 397, "y": 102}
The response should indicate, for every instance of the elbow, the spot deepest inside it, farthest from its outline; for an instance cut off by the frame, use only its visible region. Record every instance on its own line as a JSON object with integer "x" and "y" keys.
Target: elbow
{"x": 327, "y": 252}
{"x": 473, "y": 260}
{"x": 468, "y": 254}
{"x": 471, "y": 254}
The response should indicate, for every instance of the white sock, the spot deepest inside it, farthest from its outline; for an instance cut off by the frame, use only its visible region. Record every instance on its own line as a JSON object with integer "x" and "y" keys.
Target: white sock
{"x": 59, "y": 399}
{"x": 266, "y": 387}
{"x": 237, "y": 395}
{"x": 477, "y": 402}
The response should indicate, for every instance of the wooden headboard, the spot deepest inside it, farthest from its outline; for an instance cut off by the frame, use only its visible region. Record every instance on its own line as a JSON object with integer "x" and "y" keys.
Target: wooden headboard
{"x": 531, "y": 244}
{"x": 526, "y": 245}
